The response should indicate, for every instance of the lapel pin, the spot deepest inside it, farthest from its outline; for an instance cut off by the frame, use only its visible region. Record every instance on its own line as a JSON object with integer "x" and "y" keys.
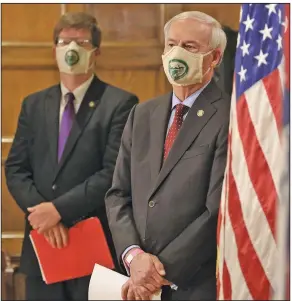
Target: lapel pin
{"x": 92, "y": 104}
{"x": 200, "y": 113}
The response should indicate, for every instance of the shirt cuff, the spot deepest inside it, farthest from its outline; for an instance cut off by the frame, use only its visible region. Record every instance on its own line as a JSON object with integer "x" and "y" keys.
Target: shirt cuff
{"x": 124, "y": 254}
{"x": 174, "y": 287}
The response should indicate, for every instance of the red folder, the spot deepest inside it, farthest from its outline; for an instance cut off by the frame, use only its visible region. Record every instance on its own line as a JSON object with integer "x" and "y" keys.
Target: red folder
{"x": 87, "y": 246}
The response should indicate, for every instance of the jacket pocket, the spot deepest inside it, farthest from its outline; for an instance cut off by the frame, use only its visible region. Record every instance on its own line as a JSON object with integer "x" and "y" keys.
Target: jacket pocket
{"x": 198, "y": 150}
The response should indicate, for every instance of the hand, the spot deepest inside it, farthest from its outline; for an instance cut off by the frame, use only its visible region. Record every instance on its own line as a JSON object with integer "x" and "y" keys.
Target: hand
{"x": 146, "y": 270}
{"x": 57, "y": 236}
{"x": 43, "y": 216}
{"x": 130, "y": 291}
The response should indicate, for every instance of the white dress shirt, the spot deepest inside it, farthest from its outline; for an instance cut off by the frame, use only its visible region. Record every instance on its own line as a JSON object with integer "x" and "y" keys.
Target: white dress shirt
{"x": 187, "y": 102}
{"x": 79, "y": 94}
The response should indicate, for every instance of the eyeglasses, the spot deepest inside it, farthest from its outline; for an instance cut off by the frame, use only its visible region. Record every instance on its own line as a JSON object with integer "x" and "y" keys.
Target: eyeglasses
{"x": 80, "y": 42}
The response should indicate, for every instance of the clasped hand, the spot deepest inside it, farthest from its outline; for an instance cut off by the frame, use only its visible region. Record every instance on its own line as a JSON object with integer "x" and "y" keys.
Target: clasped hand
{"x": 44, "y": 216}
{"x": 46, "y": 220}
{"x": 57, "y": 236}
{"x": 146, "y": 279}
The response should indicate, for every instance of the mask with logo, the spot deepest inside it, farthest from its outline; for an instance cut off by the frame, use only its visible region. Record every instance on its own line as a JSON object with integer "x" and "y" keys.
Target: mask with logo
{"x": 73, "y": 59}
{"x": 182, "y": 67}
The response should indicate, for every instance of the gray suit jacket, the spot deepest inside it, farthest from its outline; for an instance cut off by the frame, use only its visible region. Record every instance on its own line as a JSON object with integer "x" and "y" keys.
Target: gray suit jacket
{"x": 170, "y": 209}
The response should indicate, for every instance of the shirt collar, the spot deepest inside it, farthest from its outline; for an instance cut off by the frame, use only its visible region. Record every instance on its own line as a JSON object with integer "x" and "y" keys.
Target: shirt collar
{"x": 79, "y": 92}
{"x": 190, "y": 100}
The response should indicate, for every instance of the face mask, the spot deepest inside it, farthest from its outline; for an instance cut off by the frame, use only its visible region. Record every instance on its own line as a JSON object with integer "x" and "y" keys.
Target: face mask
{"x": 73, "y": 59}
{"x": 182, "y": 67}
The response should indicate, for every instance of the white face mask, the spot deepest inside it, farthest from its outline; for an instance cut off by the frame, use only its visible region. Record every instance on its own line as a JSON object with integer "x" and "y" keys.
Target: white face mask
{"x": 184, "y": 68}
{"x": 73, "y": 59}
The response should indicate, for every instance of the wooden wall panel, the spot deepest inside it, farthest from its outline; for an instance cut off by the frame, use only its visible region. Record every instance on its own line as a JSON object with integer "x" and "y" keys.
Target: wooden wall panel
{"x": 27, "y": 56}
{"x": 226, "y": 14}
{"x": 29, "y": 22}
{"x": 16, "y": 84}
{"x": 27, "y": 66}
{"x": 70, "y": 7}
{"x": 12, "y": 242}
{"x": 124, "y": 22}
{"x": 17, "y": 222}
{"x": 141, "y": 82}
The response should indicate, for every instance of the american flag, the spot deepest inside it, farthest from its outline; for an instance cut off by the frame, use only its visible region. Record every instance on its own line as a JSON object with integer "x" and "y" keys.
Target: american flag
{"x": 247, "y": 238}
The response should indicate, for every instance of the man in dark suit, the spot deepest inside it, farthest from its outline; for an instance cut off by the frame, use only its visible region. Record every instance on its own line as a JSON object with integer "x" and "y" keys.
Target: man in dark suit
{"x": 63, "y": 155}
{"x": 163, "y": 204}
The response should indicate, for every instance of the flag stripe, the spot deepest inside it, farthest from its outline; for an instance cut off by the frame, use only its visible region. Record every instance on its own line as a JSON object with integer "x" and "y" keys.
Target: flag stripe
{"x": 273, "y": 87}
{"x": 231, "y": 258}
{"x": 233, "y": 255}
{"x": 222, "y": 212}
{"x": 246, "y": 254}
{"x": 281, "y": 69}
{"x": 287, "y": 47}
{"x": 227, "y": 281}
{"x": 253, "y": 214}
{"x": 262, "y": 117}
{"x": 256, "y": 163}
{"x": 239, "y": 287}
{"x": 227, "y": 293}
{"x": 220, "y": 239}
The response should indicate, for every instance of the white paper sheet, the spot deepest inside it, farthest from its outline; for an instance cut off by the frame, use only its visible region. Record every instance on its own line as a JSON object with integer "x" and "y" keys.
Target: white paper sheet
{"x": 106, "y": 284}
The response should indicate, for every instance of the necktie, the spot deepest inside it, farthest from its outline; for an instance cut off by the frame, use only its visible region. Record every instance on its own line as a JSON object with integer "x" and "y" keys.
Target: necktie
{"x": 66, "y": 123}
{"x": 174, "y": 129}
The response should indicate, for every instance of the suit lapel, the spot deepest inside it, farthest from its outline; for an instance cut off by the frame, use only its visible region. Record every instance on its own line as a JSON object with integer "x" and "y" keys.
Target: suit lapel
{"x": 52, "y": 109}
{"x": 88, "y": 106}
{"x": 191, "y": 128}
{"x": 158, "y": 127}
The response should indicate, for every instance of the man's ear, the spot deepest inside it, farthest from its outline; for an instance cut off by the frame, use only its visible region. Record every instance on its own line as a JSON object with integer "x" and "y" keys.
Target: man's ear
{"x": 216, "y": 58}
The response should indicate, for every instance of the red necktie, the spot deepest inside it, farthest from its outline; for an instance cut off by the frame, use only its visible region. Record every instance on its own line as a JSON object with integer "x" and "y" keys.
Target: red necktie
{"x": 174, "y": 129}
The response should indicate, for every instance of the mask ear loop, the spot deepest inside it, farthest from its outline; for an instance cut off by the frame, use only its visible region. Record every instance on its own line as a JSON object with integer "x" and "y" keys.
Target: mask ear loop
{"x": 93, "y": 63}
{"x": 213, "y": 65}
{"x": 206, "y": 72}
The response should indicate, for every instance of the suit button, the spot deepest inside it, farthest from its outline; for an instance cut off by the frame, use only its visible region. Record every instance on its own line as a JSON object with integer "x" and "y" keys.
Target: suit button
{"x": 54, "y": 187}
{"x": 151, "y": 204}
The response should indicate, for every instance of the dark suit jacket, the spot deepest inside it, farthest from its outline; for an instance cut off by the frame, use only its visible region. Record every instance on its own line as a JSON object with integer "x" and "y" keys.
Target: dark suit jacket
{"x": 224, "y": 73}
{"x": 172, "y": 212}
{"x": 77, "y": 185}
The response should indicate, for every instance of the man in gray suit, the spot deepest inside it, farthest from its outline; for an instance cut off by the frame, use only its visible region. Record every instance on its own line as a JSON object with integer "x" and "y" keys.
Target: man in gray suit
{"x": 163, "y": 204}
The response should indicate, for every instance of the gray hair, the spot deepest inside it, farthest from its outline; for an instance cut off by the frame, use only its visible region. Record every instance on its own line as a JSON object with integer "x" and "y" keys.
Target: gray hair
{"x": 218, "y": 36}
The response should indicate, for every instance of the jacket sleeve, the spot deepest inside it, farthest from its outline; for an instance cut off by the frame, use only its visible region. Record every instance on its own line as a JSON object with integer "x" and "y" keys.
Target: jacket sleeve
{"x": 89, "y": 195}
{"x": 18, "y": 171}
{"x": 119, "y": 198}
